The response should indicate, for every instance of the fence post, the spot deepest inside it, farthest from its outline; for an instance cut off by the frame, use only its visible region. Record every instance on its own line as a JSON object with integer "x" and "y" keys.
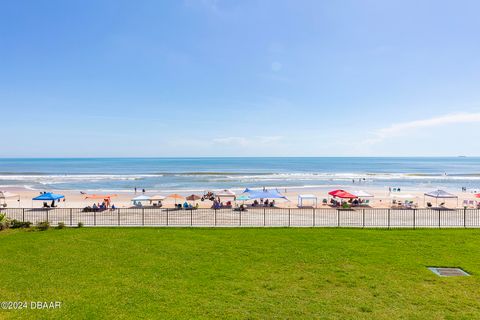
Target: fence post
{"x": 264, "y": 217}
{"x": 363, "y": 218}
{"x": 71, "y": 222}
{"x": 94, "y": 218}
{"x": 439, "y": 212}
{"x": 191, "y": 218}
{"x": 143, "y": 216}
{"x": 289, "y": 217}
{"x": 215, "y": 216}
{"x": 240, "y": 218}
{"x": 338, "y": 218}
{"x": 464, "y": 217}
{"x": 118, "y": 216}
{"x": 167, "y": 217}
{"x": 47, "y": 214}
{"x": 23, "y": 214}
{"x": 414, "y": 214}
{"x": 388, "y": 218}
{"x": 314, "y": 217}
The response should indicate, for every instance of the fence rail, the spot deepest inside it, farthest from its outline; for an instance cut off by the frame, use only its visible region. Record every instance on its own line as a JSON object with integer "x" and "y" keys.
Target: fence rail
{"x": 255, "y": 217}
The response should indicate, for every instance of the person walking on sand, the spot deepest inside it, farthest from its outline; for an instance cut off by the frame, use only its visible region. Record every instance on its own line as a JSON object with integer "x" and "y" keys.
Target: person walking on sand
{"x": 143, "y": 191}
{"x": 135, "y": 190}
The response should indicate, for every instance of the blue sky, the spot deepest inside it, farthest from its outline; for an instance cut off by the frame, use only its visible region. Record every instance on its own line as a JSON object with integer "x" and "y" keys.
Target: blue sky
{"x": 239, "y": 78}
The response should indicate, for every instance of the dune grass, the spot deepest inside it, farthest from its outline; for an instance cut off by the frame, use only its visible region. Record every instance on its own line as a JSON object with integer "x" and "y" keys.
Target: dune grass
{"x": 129, "y": 273}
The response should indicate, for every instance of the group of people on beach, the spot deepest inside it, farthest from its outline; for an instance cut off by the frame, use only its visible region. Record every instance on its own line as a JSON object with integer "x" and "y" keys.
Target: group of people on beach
{"x": 217, "y": 204}
{"x": 135, "y": 189}
{"x": 265, "y": 203}
{"x": 99, "y": 207}
{"x": 350, "y": 202}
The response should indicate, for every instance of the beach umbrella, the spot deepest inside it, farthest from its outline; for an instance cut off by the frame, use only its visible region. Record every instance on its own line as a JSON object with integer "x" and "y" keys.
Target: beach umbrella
{"x": 477, "y": 195}
{"x": 243, "y": 198}
{"x": 175, "y": 196}
{"x": 193, "y": 197}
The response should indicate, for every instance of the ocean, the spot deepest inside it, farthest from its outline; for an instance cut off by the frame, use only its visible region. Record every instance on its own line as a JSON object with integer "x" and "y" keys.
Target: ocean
{"x": 200, "y": 174}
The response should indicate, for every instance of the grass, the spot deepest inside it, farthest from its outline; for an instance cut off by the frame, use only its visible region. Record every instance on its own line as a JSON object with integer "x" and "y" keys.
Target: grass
{"x": 129, "y": 273}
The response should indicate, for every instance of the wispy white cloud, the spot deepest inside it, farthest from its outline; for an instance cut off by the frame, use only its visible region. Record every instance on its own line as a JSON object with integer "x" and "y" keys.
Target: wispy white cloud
{"x": 231, "y": 140}
{"x": 400, "y": 129}
{"x": 243, "y": 141}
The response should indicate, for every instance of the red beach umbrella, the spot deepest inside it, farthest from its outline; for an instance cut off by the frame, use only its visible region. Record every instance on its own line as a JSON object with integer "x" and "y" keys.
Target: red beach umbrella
{"x": 342, "y": 194}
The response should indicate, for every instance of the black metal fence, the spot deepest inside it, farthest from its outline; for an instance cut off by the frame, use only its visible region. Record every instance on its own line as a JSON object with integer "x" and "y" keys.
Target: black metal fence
{"x": 255, "y": 217}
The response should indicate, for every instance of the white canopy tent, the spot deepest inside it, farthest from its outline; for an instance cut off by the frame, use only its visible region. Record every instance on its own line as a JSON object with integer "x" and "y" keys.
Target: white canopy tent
{"x": 439, "y": 194}
{"x": 409, "y": 200}
{"x": 311, "y": 197}
{"x": 142, "y": 198}
{"x": 137, "y": 201}
{"x": 362, "y": 194}
{"x": 225, "y": 194}
{"x": 157, "y": 199}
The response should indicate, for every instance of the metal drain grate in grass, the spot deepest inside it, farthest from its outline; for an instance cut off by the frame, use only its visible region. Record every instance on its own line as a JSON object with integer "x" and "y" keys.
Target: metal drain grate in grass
{"x": 448, "y": 272}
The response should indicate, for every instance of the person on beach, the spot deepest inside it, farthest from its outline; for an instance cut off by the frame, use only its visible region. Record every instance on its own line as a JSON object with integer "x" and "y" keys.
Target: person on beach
{"x": 135, "y": 190}
{"x": 143, "y": 190}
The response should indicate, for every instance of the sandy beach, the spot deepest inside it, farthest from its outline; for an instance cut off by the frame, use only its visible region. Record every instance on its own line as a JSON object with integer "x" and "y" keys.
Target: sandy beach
{"x": 382, "y": 198}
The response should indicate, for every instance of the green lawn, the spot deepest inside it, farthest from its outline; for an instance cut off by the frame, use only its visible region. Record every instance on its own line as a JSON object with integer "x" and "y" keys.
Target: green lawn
{"x": 129, "y": 273}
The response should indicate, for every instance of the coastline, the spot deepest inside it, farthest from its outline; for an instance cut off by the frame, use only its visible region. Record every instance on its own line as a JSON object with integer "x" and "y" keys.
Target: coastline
{"x": 382, "y": 197}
